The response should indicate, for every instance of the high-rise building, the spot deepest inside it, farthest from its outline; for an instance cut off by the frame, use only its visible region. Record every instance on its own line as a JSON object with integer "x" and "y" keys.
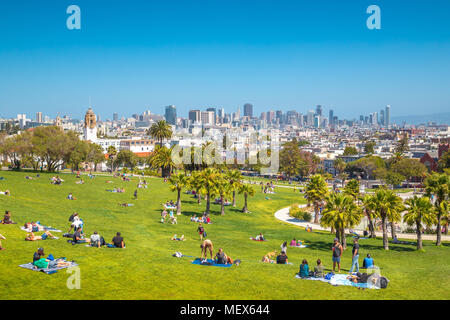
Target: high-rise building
{"x": 381, "y": 117}
{"x": 248, "y": 110}
{"x": 330, "y": 116}
{"x": 115, "y": 117}
{"x": 387, "y": 116}
{"x": 319, "y": 110}
{"x": 215, "y": 114}
{"x": 171, "y": 115}
{"x": 270, "y": 116}
{"x": 310, "y": 118}
{"x": 279, "y": 116}
{"x": 207, "y": 117}
{"x": 317, "y": 121}
{"x": 194, "y": 116}
{"x": 39, "y": 117}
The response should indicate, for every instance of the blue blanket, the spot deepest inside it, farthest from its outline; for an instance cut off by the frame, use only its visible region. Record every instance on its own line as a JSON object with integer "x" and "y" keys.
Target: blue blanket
{"x": 31, "y": 266}
{"x": 210, "y": 262}
{"x": 341, "y": 280}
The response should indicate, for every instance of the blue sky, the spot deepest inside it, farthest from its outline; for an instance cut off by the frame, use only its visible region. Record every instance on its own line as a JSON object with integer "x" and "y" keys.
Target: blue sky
{"x": 130, "y": 56}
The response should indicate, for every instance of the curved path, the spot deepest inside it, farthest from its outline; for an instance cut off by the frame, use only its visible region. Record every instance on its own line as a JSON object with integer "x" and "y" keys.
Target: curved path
{"x": 283, "y": 215}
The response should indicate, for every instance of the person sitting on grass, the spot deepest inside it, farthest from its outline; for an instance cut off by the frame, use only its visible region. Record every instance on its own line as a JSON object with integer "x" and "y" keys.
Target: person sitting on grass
{"x": 7, "y": 218}
{"x": 96, "y": 240}
{"x": 117, "y": 241}
{"x": 282, "y": 258}
{"x": 32, "y": 237}
{"x": 78, "y": 237}
{"x": 205, "y": 246}
{"x": 284, "y": 247}
{"x": 222, "y": 258}
{"x": 319, "y": 270}
{"x": 178, "y": 239}
{"x": 304, "y": 269}
{"x": 260, "y": 237}
{"x": 368, "y": 262}
{"x": 293, "y": 243}
{"x": 2, "y": 238}
{"x": 194, "y": 218}
{"x": 163, "y": 215}
{"x": 71, "y": 197}
{"x": 79, "y": 182}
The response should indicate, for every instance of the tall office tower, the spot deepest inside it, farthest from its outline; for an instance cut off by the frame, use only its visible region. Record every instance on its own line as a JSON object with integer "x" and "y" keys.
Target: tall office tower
{"x": 270, "y": 116}
{"x": 207, "y": 117}
{"x": 116, "y": 117}
{"x": 248, "y": 110}
{"x": 387, "y": 116}
{"x": 279, "y": 116}
{"x": 263, "y": 116}
{"x": 215, "y": 113}
{"x": 135, "y": 116}
{"x": 317, "y": 121}
{"x": 39, "y": 117}
{"x": 381, "y": 117}
{"x": 194, "y": 116}
{"x": 221, "y": 113}
{"x": 330, "y": 116}
{"x": 171, "y": 115}
{"x": 22, "y": 120}
{"x": 237, "y": 115}
{"x": 310, "y": 118}
{"x": 335, "y": 121}
{"x": 366, "y": 119}
{"x": 319, "y": 110}
{"x": 361, "y": 118}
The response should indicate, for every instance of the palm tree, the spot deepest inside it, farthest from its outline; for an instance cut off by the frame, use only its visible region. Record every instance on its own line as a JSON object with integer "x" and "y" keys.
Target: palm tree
{"x": 388, "y": 206}
{"x": 367, "y": 206}
{"x": 196, "y": 184}
{"x": 340, "y": 212}
{"x": 221, "y": 188}
{"x": 177, "y": 183}
{"x": 162, "y": 158}
{"x": 352, "y": 188}
{"x": 160, "y": 130}
{"x": 316, "y": 191}
{"x": 438, "y": 186}
{"x": 208, "y": 179}
{"x": 420, "y": 210}
{"x": 247, "y": 190}
{"x": 112, "y": 152}
{"x": 234, "y": 178}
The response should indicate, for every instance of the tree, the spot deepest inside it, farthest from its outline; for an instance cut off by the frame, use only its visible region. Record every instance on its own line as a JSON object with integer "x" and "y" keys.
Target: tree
{"x": 79, "y": 154}
{"x": 316, "y": 191}
{"x": 367, "y": 165}
{"x": 437, "y": 186}
{"x": 339, "y": 166}
{"x": 95, "y": 155}
{"x": 160, "y": 130}
{"x": 349, "y": 151}
{"x": 340, "y": 212}
{"x": 234, "y": 179}
{"x": 387, "y": 206}
{"x": 369, "y": 147}
{"x": 177, "y": 183}
{"x": 444, "y": 161}
{"x": 126, "y": 158}
{"x": 111, "y": 152}
{"x": 222, "y": 188}
{"x": 368, "y": 209}
{"x": 420, "y": 210}
{"x": 208, "y": 179}
{"x": 247, "y": 190}
{"x": 409, "y": 168}
{"x": 196, "y": 184}
{"x": 162, "y": 159}
{"x": 294, "y": 161}
{"x": 402, "y": 145}
{"x": 352, "y": 188}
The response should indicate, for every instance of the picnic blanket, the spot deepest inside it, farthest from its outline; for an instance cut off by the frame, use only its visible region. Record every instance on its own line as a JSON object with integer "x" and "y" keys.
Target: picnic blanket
{"x": 254, "y": 239}
{"x": 49, "y": 228}
{"x": 32, "y": 267}
{"x": 210, "y": 262}
{"x": 301, "y": 246}
{"x": 341, "y": 280}
{"x": 170, "y": 208}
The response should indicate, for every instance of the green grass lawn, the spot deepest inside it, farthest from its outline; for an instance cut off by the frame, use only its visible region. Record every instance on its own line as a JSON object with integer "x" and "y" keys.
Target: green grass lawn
{"x": 146, "y": 268}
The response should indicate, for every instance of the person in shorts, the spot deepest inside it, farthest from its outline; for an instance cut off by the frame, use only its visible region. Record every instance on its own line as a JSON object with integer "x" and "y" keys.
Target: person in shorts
{"x": 337, "y": 254}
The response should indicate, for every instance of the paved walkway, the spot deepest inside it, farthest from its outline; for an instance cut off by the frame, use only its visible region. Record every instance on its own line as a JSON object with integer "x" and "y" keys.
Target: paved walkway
{"x": 283, "y": 215}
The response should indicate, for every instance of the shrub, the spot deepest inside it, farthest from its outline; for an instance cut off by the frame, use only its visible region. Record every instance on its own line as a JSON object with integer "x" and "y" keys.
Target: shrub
{"x": 299, "y": 213}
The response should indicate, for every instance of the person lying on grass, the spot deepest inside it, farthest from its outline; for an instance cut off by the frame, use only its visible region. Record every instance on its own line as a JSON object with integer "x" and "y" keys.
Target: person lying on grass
{"x": 79, "y": 182}
{"x": 33, "y": 227}
{"x": 43, "y": 263}
{"x": 205, "y": 246}
{"x": 282, "y": 258}
{"x": 178, "y": 239}
{"x": 32, "y": 237}
{"x": 6, "y": 192}
{"x": 269, "y": 258}
{"x": 7, "y": 218}
{"x": 2, "y": 238}
{"x": 117, "y": 241}
{"x": 260, "y": 237}
{"x": 126, "y": 204}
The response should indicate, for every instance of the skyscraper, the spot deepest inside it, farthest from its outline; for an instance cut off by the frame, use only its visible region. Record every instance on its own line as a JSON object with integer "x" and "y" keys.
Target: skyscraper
{"x": 330, "y": 117}
{"x": 319, "y": 110}
{"x": 39, "y": 117}
{"x": 194, "y": 115}
{"x": 248, "y": 110}
{"x": 387, "y": 116}
{"x": 213, "y": 110}
{"x": 270, "y": 116}
{"x": 382, "y": 117}
{"x": 171, "y": 115}
{"x": 279, "y": 116}
{"x": 115, "y": 117}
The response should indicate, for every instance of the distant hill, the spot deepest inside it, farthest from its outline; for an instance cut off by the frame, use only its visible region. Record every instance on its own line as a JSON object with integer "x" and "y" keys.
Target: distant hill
{"x": 439, "y": 118}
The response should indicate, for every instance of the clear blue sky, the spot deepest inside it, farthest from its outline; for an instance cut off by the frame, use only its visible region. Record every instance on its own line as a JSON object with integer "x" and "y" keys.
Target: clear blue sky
{"x": 130, "y": 56}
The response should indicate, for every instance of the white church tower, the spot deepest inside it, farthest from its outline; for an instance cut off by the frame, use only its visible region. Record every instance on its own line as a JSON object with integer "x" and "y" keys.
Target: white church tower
{"x": 90, "y": 126}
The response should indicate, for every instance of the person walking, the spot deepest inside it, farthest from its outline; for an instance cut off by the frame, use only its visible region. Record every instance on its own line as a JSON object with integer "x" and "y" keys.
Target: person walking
{"x": 337, "y": 253}
{"x": 355, "y": 256}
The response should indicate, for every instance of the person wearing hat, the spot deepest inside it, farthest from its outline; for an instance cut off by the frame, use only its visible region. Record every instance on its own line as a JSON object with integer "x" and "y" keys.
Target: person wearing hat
{"x": 337, "y": 253}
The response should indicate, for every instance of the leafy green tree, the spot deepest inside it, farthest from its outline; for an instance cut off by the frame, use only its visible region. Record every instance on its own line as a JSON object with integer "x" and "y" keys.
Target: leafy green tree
{"x": 352, "y": 188}
{"x": 160, "y": 130}
{"x": 111, "y": 152}
{"x": 316, "y": 192}
{"x": 444, "y": 161}
{"x": 162, "y": 159}
{"x": 438, "y": 187}
{"x": 387, "y": 206}
{"x": 126, "y": 158}
{"x": 419, "y": 210}
{"x": 176, "y": 183}
{"x": 368, "y": 210}
{"x": 367, "y": 165}
{"x": 402, "y": 145}
{"x": 349, "y": 151}
{"x": 95, "y": 155}
{"x": 222, "y": 188}
{"x": 294, "y": 161}
{"x": 208, "y": 178}
{"x": 340, "y": 212}
{"x": 195, "y": 183}
{"x": 247, "y": 190}
{"x": 234, "y": 179}
{"x": 409, "y": 168}
{"x": 79, "y": 154}
{"x": 369, "y": 147}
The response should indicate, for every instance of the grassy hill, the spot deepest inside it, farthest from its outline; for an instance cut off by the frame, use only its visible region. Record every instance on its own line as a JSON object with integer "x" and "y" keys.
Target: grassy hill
{"x": 146, "y": 269}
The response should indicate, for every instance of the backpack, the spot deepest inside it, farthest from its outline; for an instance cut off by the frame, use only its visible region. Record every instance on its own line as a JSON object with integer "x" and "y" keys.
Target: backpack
{"x": 204, "y": 234}
{"x": 177, "y": 254}
{"x": 329, "y": 276}
{"x": 363, "y": 278}
{"x": 383, "y": 282}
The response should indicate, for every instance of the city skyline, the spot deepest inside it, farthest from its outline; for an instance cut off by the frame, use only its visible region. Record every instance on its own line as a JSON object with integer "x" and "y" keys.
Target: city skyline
{"x": 142, "y": 63}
